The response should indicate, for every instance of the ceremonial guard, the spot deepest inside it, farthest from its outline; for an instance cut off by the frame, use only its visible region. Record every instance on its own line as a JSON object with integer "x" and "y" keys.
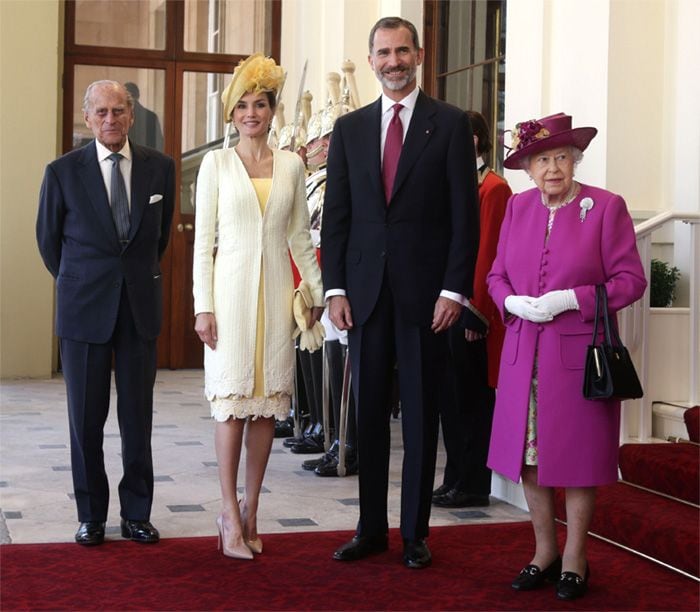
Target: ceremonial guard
{"x": 335, "y": 345}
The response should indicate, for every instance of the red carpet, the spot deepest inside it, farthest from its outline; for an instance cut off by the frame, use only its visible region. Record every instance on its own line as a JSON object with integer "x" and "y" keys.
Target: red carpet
{"x": 472, "y": 569}
{"x": 673, "y": 469}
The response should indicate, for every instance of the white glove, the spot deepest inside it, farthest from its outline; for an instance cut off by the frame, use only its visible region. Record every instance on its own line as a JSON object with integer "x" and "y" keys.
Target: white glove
{"x": 523, "y": 306}
{"x": 556, "y": 302}
{"x": 312, "y": 339}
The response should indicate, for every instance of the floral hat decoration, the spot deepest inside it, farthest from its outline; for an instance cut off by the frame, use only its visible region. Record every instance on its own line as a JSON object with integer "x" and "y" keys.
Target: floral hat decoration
{"x": 254, "y": 74}
{"x": 550, "y": 132}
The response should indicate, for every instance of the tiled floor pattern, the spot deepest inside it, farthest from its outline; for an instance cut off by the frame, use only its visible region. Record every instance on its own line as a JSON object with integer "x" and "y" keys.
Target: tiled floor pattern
{"x": 36, "y": 499}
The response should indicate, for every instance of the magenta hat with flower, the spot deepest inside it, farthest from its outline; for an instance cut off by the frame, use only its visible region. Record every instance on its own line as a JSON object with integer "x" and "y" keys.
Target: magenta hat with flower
{"x": 550, "y": 132}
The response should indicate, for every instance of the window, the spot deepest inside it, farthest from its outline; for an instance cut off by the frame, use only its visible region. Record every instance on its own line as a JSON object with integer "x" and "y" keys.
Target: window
{"x": 465, "y": 59}
{"x": 175, "y": 56}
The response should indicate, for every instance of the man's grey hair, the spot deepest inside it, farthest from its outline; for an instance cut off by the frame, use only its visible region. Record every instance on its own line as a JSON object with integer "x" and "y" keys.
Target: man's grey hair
{"x": 393, "y": 23}
{"x": 87, "y": 98}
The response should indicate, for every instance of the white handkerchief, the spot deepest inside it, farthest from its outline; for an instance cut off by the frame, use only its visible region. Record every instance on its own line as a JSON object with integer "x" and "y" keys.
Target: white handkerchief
{"x": 156, "y": 197}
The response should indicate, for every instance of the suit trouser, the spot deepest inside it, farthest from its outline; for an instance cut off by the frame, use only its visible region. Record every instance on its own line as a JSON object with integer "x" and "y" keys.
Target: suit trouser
{"x": 87, "y": 373}
{"x": 466, "y": 414}
{"x": 375, "y": 347}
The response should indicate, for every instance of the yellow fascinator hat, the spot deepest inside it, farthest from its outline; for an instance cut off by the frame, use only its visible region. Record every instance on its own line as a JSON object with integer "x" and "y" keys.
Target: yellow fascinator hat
{"x": 254, "y": 74}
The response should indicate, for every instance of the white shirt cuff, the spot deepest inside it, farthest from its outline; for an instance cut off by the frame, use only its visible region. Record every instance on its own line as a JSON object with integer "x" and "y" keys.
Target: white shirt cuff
{"x": 457, "y": 297}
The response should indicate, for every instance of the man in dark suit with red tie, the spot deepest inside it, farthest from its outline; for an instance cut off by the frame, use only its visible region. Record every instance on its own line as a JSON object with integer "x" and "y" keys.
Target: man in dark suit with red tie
{"x": 103, "y": 224}
{"x": 400, "y": 237}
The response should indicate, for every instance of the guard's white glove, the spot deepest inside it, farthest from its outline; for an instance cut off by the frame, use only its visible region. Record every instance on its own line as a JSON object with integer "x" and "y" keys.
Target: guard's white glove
{"x": 556, "y": 302}
{"x": 523, "y": 306}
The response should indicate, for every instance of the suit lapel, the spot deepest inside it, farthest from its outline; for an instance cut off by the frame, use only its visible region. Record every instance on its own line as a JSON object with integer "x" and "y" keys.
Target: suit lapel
{"x": 419, "y": 132}
{"x": 139, "y": 187}
{"x": 374, "y": 124}
{"x": 91, "y": 176}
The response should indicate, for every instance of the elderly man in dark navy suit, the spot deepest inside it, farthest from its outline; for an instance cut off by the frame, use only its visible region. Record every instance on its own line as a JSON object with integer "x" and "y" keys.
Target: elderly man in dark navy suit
{"x": 103, "y": 224}
{"x": 400, "y": 237}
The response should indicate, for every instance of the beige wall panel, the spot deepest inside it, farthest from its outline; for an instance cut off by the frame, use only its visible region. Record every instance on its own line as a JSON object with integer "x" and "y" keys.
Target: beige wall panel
{"x": 30, "y": 48}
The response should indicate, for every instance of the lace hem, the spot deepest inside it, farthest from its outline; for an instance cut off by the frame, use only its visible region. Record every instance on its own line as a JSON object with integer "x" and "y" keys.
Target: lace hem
{"x": 278, "y": 406}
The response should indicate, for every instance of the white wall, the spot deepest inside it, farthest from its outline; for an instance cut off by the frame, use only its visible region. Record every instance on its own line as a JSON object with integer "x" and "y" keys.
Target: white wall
{"x": 551, "y": 67}
{"x": 30, "y": 56}
{"x": 627, "y": 67}
{"x": 327, "y": 32}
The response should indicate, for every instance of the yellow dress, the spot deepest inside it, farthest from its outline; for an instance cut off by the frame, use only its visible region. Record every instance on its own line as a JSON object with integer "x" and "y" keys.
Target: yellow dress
{"x": 239, "y": 407}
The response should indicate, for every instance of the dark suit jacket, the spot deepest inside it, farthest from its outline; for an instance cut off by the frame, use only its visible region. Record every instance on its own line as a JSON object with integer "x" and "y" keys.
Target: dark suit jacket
{"x": 79, "y": 245}
{"x": 427, "y": 238}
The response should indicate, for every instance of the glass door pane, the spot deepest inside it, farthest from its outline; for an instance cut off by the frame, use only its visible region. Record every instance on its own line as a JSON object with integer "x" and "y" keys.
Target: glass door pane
{"x": 237, "y": 27}
{"x": 203, "y": 127}
{"x": 147, "y": 86}
{"x": 138, "y": 24}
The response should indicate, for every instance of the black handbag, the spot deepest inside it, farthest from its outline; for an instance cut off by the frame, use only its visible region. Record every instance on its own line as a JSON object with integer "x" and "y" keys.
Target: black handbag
{"x": 609, "y": 372}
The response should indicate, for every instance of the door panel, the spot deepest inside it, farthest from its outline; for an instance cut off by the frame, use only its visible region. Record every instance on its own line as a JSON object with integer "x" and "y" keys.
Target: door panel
{"x": 200, "y": 130}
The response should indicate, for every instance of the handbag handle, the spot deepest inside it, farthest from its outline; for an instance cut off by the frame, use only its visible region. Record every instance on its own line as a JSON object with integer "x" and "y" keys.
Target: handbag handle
{"x": 612, "y": 337}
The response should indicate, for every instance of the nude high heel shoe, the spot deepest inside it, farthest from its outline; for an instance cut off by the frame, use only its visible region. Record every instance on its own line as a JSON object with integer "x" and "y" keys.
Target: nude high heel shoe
{"x": 255, "y": 545}
{"x": 237, "y": 552}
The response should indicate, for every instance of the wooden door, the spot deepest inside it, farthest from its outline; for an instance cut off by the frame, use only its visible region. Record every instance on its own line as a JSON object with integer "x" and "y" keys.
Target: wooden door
{"x": 199, "y": 130}
{"x": 180, "y": 54}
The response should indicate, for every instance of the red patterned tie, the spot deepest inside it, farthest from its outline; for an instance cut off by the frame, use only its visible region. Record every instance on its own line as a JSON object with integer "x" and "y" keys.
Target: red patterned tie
{"x": 392, "y": 151}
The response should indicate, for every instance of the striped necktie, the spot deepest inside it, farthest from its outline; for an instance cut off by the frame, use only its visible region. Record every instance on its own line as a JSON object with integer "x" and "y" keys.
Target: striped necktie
{"x": 120, "y": 202}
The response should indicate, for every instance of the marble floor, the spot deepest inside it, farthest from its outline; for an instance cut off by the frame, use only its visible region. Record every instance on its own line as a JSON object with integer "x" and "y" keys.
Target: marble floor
{"x": 36, "y": 499}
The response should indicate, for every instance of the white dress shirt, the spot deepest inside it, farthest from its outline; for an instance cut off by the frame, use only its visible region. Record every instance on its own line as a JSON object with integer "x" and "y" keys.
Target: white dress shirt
{"x": 405, "y": 114}
{"x": 103, "y": 154}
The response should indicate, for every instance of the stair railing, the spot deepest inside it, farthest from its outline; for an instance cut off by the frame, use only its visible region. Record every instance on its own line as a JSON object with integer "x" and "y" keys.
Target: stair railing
{"x": 634, "y": 320}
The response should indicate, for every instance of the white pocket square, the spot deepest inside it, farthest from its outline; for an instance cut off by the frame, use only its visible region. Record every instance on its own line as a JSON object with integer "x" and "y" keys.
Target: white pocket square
{"x": 156, "y": 197}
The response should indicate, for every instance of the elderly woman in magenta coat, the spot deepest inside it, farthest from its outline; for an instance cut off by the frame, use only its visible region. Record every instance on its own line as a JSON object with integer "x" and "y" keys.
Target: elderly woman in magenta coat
{"x": 558, "y": 241}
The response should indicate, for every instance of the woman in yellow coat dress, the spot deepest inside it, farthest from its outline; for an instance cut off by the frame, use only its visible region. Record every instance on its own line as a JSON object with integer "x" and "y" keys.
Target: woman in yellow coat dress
{"x": 251, "y": 212}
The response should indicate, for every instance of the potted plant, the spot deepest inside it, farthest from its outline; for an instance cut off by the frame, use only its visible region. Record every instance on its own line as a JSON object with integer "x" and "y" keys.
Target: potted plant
{"x": 663, "y": 283}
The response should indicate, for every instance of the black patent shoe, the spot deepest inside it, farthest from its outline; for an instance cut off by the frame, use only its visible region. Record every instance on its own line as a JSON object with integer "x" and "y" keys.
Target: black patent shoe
{"x": 330, "y": 468}
{"x": 441, "y": 490}
{"x": 360, "y": 547}
{"x": 140, "y": 531}
{"x": 416, "y": 554}
{"x": 309, "y": 445}
{"x": 572, "y": 586}
{"x": 284, "y": 429}
{"x": 311, "y": 464}
{"x": 532, "y": 577}
{"x": 460, "y": 499}
{"x": 90, "y": 533}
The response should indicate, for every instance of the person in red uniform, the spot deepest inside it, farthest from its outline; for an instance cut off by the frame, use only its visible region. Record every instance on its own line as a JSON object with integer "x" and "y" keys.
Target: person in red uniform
{"x": 475, "y": 348}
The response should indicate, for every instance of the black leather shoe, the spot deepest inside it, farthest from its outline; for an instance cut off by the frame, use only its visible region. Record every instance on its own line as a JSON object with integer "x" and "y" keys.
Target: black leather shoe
{"x": 459, "y": 499}
{"x": 416, "y": 554}
{"x": 289, "y": 442}
{"x": 284, "y": 429}
{"x": 361, "y": 546}
{"x": 90, "y": 533}
{"x": 532, "y": 577}
{"x": 311, "y": 464}
{"x": 330, "y": 469}
{"x": 310, "y": 444}
{"x": 441, "y": 490}
{"x": 572, "y": 586}
{"x": 140, "y": 531}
